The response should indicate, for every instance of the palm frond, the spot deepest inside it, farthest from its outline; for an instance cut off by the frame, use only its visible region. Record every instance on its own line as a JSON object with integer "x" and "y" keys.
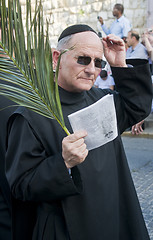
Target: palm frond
{"x": 26, "y": 61}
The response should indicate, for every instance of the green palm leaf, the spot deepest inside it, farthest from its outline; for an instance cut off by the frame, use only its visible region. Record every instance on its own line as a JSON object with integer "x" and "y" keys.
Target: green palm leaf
{"x": 26, "y": 61}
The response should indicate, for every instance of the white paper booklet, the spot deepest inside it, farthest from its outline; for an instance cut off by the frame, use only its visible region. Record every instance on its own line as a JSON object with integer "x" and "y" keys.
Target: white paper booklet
{"x": 99, "y": 120}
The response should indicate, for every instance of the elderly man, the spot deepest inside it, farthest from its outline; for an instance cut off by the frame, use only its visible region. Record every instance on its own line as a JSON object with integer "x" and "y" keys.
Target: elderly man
{"x": 120, "y": 26}
{"x": 79, "y": 194}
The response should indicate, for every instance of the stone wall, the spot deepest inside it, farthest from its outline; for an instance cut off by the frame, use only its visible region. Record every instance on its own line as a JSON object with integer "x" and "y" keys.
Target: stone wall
{"x": 63, "y": 13}
{"x": 150, "y": 14}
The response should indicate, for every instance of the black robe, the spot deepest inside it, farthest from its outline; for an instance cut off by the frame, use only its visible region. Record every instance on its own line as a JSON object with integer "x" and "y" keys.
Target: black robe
{"x": 7, "y": 107}
{"x": 5, "y": 196}
{"x": 99, "y": 201}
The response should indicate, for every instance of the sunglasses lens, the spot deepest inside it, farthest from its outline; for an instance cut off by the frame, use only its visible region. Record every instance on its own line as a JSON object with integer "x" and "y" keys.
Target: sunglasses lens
{"x": 84, "y": 60}
{"x": 98, "y": 63}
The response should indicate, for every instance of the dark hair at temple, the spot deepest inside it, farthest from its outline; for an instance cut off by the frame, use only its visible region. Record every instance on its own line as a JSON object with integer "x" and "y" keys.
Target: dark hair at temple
{"x": 135, "y": 34}
{"x": 119, "y": 7}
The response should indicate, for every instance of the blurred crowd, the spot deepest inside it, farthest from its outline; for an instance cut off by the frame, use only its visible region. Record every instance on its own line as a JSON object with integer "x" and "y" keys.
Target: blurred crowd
{"x": 138, "y": 46}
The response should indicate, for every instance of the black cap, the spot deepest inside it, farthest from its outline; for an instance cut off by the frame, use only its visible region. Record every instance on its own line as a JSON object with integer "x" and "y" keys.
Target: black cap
{"x": 77, "y": 28}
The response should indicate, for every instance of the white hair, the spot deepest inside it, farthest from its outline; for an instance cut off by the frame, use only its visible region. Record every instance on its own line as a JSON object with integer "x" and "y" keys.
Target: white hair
{"x": 64, "y": 43}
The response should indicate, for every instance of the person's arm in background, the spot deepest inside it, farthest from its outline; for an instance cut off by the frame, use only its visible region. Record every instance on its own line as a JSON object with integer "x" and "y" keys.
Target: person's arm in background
{"x": 137, "y": 128}
{"x": 133, "y": 96}
{"x": 104, "y": 28}
{"x": 111, "y": 87}
{"x": 147, "y": 44}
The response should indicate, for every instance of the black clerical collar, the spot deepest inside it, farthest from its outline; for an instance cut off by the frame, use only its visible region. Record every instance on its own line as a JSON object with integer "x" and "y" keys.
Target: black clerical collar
{"x": 71, "y": 97}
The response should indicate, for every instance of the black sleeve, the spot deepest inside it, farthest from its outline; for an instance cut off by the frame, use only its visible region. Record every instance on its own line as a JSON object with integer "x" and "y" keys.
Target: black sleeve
{"x": 32, "y": 175}
{"x": 133, "y": 98}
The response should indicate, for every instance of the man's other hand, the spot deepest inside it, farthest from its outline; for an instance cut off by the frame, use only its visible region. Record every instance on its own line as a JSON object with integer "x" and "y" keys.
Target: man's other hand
{"x": 74, "y": 149}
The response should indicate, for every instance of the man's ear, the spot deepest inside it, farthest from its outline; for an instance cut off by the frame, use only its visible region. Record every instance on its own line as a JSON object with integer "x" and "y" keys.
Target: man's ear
{"x": 55, "y": 55}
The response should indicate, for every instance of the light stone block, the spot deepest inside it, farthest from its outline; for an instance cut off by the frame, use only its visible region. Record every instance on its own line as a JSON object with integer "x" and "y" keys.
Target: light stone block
{"x": 97, "y": 6}
{"x": 47, "y": 6}
{"x": 23, "y": 2}
{"x": 129, "y": 14}
{"x": 126, "y": 4}
{"x": 87, "y": 9}
{"x": 133, "y": 4}
{"x": 74, "y": 10}
{"x": 138, "y": 23}
{"x": 103, "y": 14}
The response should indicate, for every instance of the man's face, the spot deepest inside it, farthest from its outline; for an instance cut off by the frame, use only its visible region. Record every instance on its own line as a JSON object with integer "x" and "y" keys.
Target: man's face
{"x": 73, "y": 76}
{"x": 129, "y": 40}
{"x": 115, "y": 12}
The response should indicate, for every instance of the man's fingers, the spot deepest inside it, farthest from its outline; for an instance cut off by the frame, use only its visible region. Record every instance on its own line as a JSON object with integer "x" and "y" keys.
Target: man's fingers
{"x": 74, "y": 147}
{"x": 76, "y": 136}
{"x": 113, "y": 39}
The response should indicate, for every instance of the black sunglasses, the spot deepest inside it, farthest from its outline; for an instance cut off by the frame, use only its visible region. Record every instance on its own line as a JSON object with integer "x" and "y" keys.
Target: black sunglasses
{"x": 85, "y": 60}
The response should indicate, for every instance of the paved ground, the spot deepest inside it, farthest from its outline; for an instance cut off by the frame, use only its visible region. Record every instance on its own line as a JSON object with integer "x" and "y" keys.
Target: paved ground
{"x": 139, "y": 152}
{"x": 143, "y": 179}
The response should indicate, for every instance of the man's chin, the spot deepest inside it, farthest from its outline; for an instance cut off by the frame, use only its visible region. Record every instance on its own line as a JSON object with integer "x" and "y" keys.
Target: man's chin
{"x": 86, "y": 87}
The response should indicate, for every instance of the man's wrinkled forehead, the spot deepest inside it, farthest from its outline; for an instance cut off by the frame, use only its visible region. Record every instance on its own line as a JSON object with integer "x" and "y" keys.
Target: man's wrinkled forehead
{"x": 85, "y": 41}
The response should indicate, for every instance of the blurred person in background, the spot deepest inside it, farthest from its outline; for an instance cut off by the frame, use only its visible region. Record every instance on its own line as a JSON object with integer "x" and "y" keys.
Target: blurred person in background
{"x": 135, "y": 49}
{"x": 121, "y": 26}
{"x": 139, "y": 127}
{"x": 104, "y": 80}
{"x": 147, "y": 40}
